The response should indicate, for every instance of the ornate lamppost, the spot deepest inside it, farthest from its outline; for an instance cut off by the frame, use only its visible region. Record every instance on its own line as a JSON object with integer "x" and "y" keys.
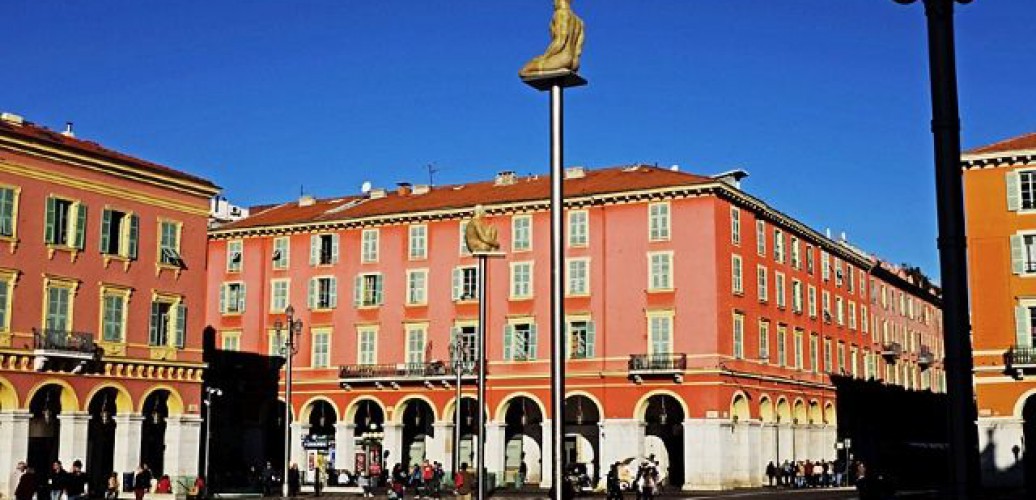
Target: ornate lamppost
{"x": 292, "y": 328}
{"x": 210, "y": 394}
{"x": 460, "y": 365}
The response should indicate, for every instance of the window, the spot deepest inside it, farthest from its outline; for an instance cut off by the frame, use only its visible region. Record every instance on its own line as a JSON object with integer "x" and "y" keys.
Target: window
{"x": 1023, "y": 253}
{"x": 520, "y": 341}
{"x": 798, "y": 348}
{"x": 778, "y": 284}
{"x": 764, "y": 340}
{"x": 578, "y": 230}
{"x": 9, "y": 211}
{"x": 581, "y": 339}
{"x": 851, "y": 275}
{"x": 231, "y": 341}
{"x": 796, "y": 257}
{"x": 169, "y": 243}
{"x": 796, "y": 296}
{"x": 812, "y": 300}
{"x": 65, "y": 223}
{"x": 870, "y": 367}
{"x": 120, "y": 232}
{"x": 321, "y": 348}
{"x": 578, "y": 276}
{"x": 521, "y": 229}
{"x": 840, "y": 357}
{"x": 658, "y": 221}
{"x": 760, "y": 237}
{"x": 466, "y": 335}
{"x": 825, "y": 266}
{"x": 761, "y": 283}
{"x": 852, "y": 315}
{"x": 782, "y": 345}
{"x": 778, "y": 245}
{"x": 366, "y": 346}
{"x": 168, "y": 324}
{"x": 323, "y": 249}
{"x": 739, "y": 335}
{"x": 1025, "y": 324}
{"x": 367, "y": 290}
{"x": 736, "y": 283}
{"x": 369, "y": 245}
{"x": 7, "y": 279}
{"x": 521, "y": 280}
{"x": 809, "y": 259}
{"x": 1021, "y": 190}
{"x": 735, "y": 225}
{"x": 865, "y": 324}
{"x": 235, "y": 256}
{"x": 275, "y": 343}
{"x": 281, "y": 252}
{"x": 827, "y": 306}
{"x": 415, "y": 344}
{"x": 418, "y": 242}
{"x": 854, "y": 355}
{"x": 827, "y": 356}
{"x": 465, "y": 283}
{"x": 58, "y": 316}
{"x": 660, "y": 271}
{"x": 323, "y": 293}
{"x": 660, "y": 334}
{"x": 279, "y": 295}
{"x": 839, "y": 311}
{"x": 839, "y": 277}
{"x": 814, "y": 353}
{"x": 463, "y": 226}
{"x": 417, "y": 287}
{"x": 113, "y": 314}
{"x": 232, "y": 298}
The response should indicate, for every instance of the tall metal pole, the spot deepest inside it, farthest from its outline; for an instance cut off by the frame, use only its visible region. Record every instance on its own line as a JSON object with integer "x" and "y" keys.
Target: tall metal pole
{"x": 557, "y": 290}
{"x": 949, "y": 194}
{"x": 457, "y": 367}
{"x": 289, "y": 347}
{"x": 482, "y": 361}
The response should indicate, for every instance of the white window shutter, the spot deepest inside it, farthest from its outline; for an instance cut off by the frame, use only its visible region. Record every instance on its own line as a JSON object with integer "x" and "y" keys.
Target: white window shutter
{"x": 1013, "y": 192}
{"x": 456, "y": 283}
{"x": 312, "y": 297}
{"x": 333, "y": 292}
{"x": 314, "y": 250}
{"x": 223, "y": 298}
{"x": 508, "y": 340}
{"x": 1017, "y": 254}
{"x": 334, "y": 248}
{"x": 1023, "y": 334}
{"x": 591, "y": 339}
{"x": 357, "y": 290}
{"x": 241, "y": 299}
{"x": 531, "y": 346}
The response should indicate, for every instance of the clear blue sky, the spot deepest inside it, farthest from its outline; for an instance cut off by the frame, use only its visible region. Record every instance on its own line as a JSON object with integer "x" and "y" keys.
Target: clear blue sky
{"x": 824, "y": 102}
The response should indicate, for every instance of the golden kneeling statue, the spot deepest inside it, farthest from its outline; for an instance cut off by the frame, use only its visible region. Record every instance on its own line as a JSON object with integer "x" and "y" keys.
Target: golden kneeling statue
{"x": 566, "y": 44}
{"x": 479, "y": 236}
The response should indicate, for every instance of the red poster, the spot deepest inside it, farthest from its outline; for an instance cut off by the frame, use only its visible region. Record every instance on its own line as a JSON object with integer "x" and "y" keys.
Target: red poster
{"x": 361, "y": 462}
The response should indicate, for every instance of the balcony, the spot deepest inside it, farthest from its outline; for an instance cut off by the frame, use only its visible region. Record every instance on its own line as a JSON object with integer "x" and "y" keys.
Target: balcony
{"x": 891, "y": 351}
{"x": 925, "y": 359}
{"x": 395, "y": 375}
{"x": 1019, "y": 359}
{"x": 660, "y": 364}
{"x": 60, "y": 350}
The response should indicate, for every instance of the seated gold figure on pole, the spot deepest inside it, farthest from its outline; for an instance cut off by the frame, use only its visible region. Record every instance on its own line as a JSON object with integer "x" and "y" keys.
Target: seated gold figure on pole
{"x": 479, "y": 236}
{"x": 566, "y": 44}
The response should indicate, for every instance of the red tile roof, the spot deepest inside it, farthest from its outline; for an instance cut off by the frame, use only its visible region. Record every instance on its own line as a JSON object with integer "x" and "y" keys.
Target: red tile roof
{"x": 1020, "y": 143}
{"x": 46, "y": 137}
{"x": 524, "y": 189}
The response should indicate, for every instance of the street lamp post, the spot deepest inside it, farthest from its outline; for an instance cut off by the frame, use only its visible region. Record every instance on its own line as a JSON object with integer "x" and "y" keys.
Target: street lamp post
{"x": 457, "y": 352}
{"x": 949, "y": 193}
{"x": 289, "y": 349}
{"x": 210, "y": 393}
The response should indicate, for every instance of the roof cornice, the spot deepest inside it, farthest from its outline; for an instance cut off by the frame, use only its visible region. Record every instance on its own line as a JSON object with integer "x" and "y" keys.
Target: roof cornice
{"x": 998, "y": 159}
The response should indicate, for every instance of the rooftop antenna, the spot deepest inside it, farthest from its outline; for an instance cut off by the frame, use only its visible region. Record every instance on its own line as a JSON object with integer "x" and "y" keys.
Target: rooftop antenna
{"x": 431, "y": 173}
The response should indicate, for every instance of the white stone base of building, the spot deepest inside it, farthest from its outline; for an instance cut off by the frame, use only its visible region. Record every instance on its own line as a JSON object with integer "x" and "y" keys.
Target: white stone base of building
{"x": 1001, "y": 447}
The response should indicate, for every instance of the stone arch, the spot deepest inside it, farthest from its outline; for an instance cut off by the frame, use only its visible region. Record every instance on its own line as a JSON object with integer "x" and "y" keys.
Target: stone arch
{"x": 783, "y": 410}
{"x": 69, "y": 399}
{"x": 123, "y": 400}
{"x": 590, "y": 396}
{"x": 8, "y": 395}
{"x": 354, "y": 406}
{"x": 447, "y": 410}
{"x": 1019, "y": 404}
{"x": 307, "y": 407}
{"x": 766, "y": 409}
{"x": 830, "y": 414}
{"x": 799, "y": 414}
{"x": 174, "y": 402}
{"x": 397, "y": 411}
{"x": 815, "y": 415}
{"x": 501, "y": 408}
{"x": 739, "y": 409}
{"x": 640, "y": 409}
{"x": 595, "y": 410}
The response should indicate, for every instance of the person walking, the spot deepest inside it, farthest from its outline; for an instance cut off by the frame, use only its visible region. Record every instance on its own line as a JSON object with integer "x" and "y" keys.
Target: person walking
{"x": 463, "y": 481}
{"x": 75, "y": 482}
{"x": 141, "y": 483}
{"x": 613, "y": 485}
{"x": 293, "y": 480}
{"x": 523, "y": 471}
{"x": 56, "y": 481}
{"x": 26, "y": 485}
{"x": 771, "y": 472}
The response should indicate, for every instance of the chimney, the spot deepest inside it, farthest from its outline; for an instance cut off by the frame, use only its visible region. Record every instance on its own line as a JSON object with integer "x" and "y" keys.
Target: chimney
{"x": 732, "y": 177}
{"x": 505, "y": 178}
{"x": 68, "y": 130}
{"x": 421, "y": 189}
{"x": 575, "y": 172}
{"x": 12, "y": 118}
{"x": 404, "y": 188}
{"x": 376, "y": 193}
{"x": 306, "y": 200}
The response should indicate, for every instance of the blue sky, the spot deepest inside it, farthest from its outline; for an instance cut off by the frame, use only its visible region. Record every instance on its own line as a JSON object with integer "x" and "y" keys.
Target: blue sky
{"x": 825, "y": 103}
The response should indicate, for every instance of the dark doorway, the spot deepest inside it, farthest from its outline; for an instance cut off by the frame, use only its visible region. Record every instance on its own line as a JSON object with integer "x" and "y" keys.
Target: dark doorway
{"x": 582, "y": 436}
{"x": 663, "y": 419}
{"x": 44, "y": 428}
{"x": 100, "y": 444}
{"x": 1029, "y": 433}
{"x": 152, "y": 438}
{"x": 523, "y": 438}
{"x": 417, "y": 429}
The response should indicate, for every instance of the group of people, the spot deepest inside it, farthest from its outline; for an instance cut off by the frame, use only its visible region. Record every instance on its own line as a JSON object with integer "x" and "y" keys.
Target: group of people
{"x": 425, "y": 480}
{"x": 806, "y": 474}
{"x": 645, "y": 484}
{"x": 74, "y": 484}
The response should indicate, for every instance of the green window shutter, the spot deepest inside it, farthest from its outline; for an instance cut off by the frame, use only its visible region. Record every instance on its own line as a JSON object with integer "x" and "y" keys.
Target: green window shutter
{"x": 223, "y": 299}
{"x": 106, "y": 224}
{"x": 456, "y": 283}
{"x": 311, "y": 298}
{"x": 378, "y": 295}
{"x": 591, "y": 339}
{"x": 531, "y": 347}
{"x": 333, "y": 292}
{"x": 3, "y": 303}
{"x": 566, "y": 338}
{"x": 334, "y": 248}
{"x": 1017, "y": 254}
{"x": 80, "y": 242}
{"x": 134, "y": 236}
{"x": 181, "y": 323}
{"x": 1014, "y": 201}
{"x": 241, "y": 299}
{"x": 508, "y": 341}
{"x": 7, "y": 212}
{"x": 1023, "y": 333}
{"x": 357, "y": 290}
{"x": 48, "y": 233}
{"x": 314, "y": 250}
{"x": 155, "y": 317}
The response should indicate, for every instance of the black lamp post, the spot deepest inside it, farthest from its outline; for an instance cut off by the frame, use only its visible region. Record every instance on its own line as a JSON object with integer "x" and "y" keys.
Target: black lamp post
{"x": 289, "y": 349}
{"x": 949, "y": 192}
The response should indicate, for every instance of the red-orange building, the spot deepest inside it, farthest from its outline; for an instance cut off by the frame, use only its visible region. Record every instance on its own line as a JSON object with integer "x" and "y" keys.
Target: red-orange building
{"x": 101, "y": 291}
{"x": 702, "y": 323}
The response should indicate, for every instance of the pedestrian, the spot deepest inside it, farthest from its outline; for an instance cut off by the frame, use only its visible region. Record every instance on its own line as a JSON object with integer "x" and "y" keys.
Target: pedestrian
{"x": 771, "y": 472}
{"x": 523, "y": 471}
{"x": 613, "y": 484}
{"x": 427, "y": 475}
{"x": 293, "y": 480}
{"x": 318, "y": 480}
{"x": 198, "y": 491}
{"x": 75, "y": 482}
{"x": 26, "y": 486}
{"x": 141, "y": 482}
{"x": 165, "y": 485}
{"x": 463, "y": 481}
{"x": 56, "y": 481}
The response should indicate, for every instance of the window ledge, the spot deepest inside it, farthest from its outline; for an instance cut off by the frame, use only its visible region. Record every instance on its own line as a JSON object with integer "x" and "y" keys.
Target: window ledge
{"x": 173, "y": 268}
{"x": 416, "y": 304}
{"x": 112, "y": 348}
{"x": 465, "y": 301}
{"x": 660, "y": 290}
{"x": 12, "y": 241}
{"x": 739, "y": 293}
{"x": 364, "y": 307}
{"x": 580, "y": 295}
{"x": 52, "y": 249}
{"x": 520, "y": 299}
{"x": 163, "y": 353}
{"x": 232, "y": 314}
{"x": 321, "y": 309}
{"x": 108, "y": 258}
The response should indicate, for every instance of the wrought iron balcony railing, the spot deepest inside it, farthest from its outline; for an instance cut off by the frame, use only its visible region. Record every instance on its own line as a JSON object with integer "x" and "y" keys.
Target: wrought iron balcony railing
{"x": 658, "y": 363}
{"x": 1020, "y": 357}
{"x": 63, "y": 341}
{"x": 925, "y": 358}
{"x": 404, "y": 372}
{"x": 891, "y": 350}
